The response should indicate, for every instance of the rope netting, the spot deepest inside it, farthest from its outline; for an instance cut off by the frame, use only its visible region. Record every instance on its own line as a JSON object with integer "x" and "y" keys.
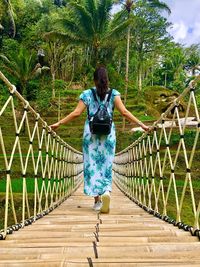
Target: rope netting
{"x": 160, "y": 171}
{"x": 38, "y": 170}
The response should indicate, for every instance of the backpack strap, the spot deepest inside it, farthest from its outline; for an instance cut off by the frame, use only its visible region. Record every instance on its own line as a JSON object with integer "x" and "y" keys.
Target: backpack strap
{"x": 108, "y": 98}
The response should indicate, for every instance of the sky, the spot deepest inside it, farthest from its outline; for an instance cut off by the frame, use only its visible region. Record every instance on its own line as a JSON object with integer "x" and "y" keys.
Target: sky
{"x": 186, "y": 20}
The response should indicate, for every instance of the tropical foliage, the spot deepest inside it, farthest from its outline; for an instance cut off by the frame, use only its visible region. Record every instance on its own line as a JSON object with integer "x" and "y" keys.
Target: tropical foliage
{"x": 76, "y": 36}
{"x": 23, "y": 67}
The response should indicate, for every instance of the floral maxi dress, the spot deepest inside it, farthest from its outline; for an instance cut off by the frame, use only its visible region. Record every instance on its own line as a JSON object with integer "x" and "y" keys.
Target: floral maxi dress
{"x": 98, "y": 150}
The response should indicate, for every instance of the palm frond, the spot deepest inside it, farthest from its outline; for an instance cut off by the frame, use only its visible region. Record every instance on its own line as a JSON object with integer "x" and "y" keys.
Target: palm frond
{"x": 4, "y": 58}
{"x": 119, "y": 17}
{"x": 159, "y": 5}
{"x": 118, "y": 31}
{"x": 83, "y": 17}
{"x": 55, "y": 36}
{"x": 9, "y": 65}
{"x": 104, "y": 8}
{"x": 69, "y": 37}
{"x": 68, "y": 24}
{"x": 91, "y": 7}
{"x": 72, "y": 28}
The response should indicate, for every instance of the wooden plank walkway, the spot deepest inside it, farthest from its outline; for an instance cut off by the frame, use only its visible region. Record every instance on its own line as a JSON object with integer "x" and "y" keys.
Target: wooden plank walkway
{"x": 73, "y": 235}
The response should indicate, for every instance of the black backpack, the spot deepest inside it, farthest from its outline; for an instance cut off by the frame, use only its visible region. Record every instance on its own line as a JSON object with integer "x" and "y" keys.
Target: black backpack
{"x": 101, "y": 122}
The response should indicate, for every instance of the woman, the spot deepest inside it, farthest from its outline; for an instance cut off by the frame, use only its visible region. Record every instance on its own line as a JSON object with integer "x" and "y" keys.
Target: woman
{"x": 99, "y": 150}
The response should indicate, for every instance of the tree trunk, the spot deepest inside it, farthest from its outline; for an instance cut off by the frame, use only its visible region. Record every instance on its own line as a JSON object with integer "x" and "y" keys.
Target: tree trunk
{"x": 140, "y": 78}
{"x": 152, "y": 83}
{"x": 127, "y": 72}
{"x": 96, "y": 56}
{"x": 119, "y": 65}
{"x": 53, "y": 85}
{"x": 59, "y": 106}
{"x": 73, "y": 68}
{"x": 165, "y": 79}
{"x": 87, "y": 55}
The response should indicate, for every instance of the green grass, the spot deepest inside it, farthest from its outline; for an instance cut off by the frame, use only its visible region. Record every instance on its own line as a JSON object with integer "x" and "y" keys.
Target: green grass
{"x": 17, "y": 189}
{"x": 17, "y": 184}
{"x": 187, "y": 214}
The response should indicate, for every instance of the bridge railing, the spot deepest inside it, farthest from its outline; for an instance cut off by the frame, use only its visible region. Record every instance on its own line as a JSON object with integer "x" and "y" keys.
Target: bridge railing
{"x": 160, "y": 171}
{"x": 38, "y": 170}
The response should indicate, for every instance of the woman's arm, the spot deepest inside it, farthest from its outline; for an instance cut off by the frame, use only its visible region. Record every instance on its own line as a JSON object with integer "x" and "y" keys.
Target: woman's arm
{"x": 127, "y": 114}
{"x": 73, "y": 115}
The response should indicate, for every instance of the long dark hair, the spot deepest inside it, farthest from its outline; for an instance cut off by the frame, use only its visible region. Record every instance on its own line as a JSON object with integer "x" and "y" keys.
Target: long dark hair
{"x": 101, "y": 82}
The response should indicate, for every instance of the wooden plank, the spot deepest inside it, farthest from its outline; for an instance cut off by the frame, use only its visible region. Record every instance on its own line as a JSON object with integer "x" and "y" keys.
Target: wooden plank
{"x": 91, "y": 227}
{"x": 74, "y": 233}
{"x": 104, "y": 240}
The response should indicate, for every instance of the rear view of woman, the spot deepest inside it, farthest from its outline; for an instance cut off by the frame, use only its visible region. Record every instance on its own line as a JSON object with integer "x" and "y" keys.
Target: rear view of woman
{"x": 99, "y": 150}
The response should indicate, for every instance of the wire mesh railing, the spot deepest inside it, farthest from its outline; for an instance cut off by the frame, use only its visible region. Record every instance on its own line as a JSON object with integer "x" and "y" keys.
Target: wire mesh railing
{"x": 38, "y": 170}
{"x": 160, "y": 171}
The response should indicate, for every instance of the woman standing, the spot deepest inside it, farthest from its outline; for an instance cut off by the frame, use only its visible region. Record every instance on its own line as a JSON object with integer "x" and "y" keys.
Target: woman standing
{"x": 99, "y": 150}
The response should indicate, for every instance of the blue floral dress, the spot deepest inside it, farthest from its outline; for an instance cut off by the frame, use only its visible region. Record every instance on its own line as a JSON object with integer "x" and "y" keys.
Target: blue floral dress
{"x": 98, "y": 150}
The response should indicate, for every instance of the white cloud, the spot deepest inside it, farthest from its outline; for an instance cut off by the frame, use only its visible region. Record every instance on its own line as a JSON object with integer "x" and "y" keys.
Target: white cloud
{"x": 196, "y": 31}
{"x": 179, "y": 31}
{"x": 186, "y": 20}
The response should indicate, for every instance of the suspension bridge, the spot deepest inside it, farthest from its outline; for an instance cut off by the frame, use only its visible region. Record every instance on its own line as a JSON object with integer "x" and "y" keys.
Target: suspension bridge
{"x": 155, "y": 207}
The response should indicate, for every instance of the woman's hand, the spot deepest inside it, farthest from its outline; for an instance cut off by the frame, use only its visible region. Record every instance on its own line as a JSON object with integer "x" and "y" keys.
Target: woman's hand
{"x": 145, "y": 127}
{"x": 55, "y": 126}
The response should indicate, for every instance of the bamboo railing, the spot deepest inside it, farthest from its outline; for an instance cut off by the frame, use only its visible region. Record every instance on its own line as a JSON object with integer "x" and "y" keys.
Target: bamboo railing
{"x": 160, "y": 171}
{"x": 38, "y": 169}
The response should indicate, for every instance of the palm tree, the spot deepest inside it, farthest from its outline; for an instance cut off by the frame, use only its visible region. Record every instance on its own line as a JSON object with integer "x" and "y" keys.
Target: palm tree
{"x": 89, "y": 24}
{"x": 21, "y": 65}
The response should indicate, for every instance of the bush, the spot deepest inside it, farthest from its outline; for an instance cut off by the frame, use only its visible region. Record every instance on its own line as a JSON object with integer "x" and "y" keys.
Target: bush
{"x": 60, "y": 87}
{"x": 43, "y": 98}
{"x": 4, "y": 93}
{"x": 32, "y": 89}
{"x": 10, "y": 45}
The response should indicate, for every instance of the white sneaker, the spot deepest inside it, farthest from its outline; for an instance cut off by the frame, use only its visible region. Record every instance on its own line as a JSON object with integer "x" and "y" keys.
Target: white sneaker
{"x": 105, "y": 198}
{"x": 97, "y": 206}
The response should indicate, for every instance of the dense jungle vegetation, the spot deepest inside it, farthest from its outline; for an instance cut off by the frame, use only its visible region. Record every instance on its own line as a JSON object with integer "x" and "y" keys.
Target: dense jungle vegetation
{"x": 49, "y": 48}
